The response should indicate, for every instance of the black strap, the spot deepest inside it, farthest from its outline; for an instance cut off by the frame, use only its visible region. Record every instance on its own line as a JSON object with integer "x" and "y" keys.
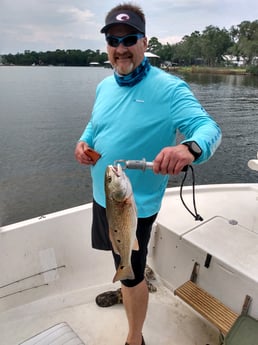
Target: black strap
{"x": 195, "y": 213}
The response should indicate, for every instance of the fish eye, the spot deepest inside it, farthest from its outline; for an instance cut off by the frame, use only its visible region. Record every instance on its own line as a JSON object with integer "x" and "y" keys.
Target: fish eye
{"x": 109, "y": 179}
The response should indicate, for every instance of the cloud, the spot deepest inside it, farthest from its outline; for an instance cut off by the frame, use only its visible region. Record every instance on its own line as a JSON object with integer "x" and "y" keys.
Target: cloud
{"x": 170, "y": 39}
{"x": 76, "y": 15}
{"x": 64, "y": 24}
{"x": 46, "y": 24}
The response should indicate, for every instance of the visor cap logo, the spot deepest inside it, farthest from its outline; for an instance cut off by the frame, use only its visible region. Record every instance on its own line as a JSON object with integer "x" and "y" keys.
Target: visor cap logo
{"x": 123, "y": 17}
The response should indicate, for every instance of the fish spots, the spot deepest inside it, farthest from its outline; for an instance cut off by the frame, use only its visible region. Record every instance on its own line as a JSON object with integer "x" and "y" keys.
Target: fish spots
{"x": 117, "y": 239}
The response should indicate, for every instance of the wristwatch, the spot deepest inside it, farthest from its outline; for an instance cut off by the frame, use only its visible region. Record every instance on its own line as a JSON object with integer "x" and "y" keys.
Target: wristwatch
{"x": 193, "y": 148}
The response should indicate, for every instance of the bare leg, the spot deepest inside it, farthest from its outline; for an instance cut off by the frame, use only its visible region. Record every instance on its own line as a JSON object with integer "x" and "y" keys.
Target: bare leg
{"x": 135, "y": 300}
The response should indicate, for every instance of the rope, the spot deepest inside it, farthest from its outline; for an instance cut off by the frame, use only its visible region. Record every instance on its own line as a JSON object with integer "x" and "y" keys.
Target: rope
{"x": 195, "y": 214}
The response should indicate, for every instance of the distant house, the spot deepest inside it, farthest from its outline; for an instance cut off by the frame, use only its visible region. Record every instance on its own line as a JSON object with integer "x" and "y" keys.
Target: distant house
{"x": 255, "y": 60}
{"x": 94, "y": 64}
{"x": 238, "y": 61}
{"x": 151, "y": 55}
{"x": 152, "y": 58}
{"x": 107, "y": 64}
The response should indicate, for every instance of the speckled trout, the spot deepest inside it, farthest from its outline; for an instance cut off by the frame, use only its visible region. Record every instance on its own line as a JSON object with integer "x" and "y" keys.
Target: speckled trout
{"x": 122, "y": 219}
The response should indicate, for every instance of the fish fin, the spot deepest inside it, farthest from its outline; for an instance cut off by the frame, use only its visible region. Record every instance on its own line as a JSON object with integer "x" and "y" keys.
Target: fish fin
{"x": 123, "y": 272}
{"x": 113, "y": 242}
{"x": 135, "y": 244}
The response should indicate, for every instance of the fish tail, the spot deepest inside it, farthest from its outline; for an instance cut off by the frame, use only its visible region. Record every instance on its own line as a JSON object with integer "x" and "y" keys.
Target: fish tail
{"x": 123, "y": 272}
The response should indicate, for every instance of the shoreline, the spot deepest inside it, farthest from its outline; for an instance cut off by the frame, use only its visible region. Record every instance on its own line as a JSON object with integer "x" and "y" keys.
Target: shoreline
{"x": 209, "y": 70}
{"x": 178, "y": 69}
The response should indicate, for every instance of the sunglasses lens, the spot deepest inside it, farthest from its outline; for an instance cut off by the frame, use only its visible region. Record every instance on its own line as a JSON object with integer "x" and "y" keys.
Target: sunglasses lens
{"x": 127, "y": 41}
{"x": 130, "y": 41}
{"x": 113, "y": 41}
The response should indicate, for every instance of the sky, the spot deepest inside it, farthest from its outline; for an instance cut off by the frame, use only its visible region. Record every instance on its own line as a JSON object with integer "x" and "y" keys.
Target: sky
{"x": 42, "y": 25}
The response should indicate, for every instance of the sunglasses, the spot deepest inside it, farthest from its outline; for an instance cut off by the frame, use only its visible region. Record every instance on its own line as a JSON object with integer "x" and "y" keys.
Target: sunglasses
{"x": 127, "y": 41}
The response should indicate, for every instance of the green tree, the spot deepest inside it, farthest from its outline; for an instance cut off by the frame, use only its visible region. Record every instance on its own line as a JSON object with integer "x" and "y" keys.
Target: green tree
{"x": 245, "y": 36}
{"x": 215, "y": 42}
{"x": 154, "y": 46}
{"x": 190, "y": 48}
{"x": 166, "y": 52}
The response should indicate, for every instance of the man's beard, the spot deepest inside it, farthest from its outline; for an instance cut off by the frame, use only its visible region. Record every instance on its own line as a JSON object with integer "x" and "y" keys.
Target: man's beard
{"x": 121, "y": 70}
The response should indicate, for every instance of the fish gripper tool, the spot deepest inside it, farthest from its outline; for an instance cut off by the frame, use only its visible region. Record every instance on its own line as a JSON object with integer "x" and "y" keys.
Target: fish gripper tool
{"x": 134, "y": 164}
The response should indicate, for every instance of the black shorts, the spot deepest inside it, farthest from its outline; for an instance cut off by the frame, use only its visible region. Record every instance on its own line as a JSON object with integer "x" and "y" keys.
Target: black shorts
{"x": 100, "y": 240}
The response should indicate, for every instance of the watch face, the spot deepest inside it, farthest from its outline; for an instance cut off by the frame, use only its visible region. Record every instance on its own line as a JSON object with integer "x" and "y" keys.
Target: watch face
{"x": 196, "y": 148}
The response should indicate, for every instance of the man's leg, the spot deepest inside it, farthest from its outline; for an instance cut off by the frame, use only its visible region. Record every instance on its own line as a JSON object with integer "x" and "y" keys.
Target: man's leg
{"x": 135, "y": 300}
{"x": 135, "y": 292}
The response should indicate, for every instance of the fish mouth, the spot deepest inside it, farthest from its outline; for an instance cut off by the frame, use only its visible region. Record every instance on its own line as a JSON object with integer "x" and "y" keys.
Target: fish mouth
{"x": 117, "y": 170}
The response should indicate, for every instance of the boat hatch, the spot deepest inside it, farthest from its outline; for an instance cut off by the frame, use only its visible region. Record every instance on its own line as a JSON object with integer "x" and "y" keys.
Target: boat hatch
{"x": 59, "y": 334}
{"x": 216, "y": 237}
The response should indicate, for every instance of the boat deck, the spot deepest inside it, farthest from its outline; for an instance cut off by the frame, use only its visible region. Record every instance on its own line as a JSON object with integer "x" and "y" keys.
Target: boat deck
{"x": 50, "y": 274}
{"x": 168, "y": 322}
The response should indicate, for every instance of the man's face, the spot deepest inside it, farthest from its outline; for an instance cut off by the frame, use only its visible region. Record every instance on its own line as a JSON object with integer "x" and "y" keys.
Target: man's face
{"x": 125, "y": 59}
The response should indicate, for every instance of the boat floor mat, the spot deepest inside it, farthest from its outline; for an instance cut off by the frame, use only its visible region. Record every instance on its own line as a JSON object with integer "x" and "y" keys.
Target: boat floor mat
{"x": 59, "y": 334}
{"x": 243, "y": 332}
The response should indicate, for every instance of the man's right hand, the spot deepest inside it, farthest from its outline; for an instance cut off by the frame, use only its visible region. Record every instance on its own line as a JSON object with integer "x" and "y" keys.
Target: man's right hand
{"x": 80, "y": 154}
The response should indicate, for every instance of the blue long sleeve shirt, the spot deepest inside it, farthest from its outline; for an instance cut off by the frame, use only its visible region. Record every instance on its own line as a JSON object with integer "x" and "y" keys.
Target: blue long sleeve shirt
{"x": 138, "y": 122}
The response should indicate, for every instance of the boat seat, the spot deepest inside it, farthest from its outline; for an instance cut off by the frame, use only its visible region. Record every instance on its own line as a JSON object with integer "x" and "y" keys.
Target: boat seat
{"x": 59, "y": 334}
{"x": 208, "y": 306}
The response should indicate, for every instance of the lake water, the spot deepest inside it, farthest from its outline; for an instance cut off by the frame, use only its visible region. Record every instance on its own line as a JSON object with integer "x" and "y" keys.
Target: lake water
{"x": 43, "y": 111}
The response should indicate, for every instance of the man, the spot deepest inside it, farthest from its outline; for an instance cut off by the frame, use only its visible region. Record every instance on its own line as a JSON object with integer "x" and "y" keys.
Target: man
{"x": 136, "y": 114}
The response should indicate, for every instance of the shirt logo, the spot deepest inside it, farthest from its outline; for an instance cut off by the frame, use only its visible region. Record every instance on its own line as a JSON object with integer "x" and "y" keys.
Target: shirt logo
{"x": 123, "y": 17}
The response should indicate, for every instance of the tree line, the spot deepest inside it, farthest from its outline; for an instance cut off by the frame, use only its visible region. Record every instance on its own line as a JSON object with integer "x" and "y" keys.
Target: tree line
{"x": 59, "y": 57}
{"x": 207, "y": 48}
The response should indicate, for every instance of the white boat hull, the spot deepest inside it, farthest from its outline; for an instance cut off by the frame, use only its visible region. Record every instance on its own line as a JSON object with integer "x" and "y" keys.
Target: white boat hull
{"x": 228, "y": 237}
{"x": 49, "y": 273}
